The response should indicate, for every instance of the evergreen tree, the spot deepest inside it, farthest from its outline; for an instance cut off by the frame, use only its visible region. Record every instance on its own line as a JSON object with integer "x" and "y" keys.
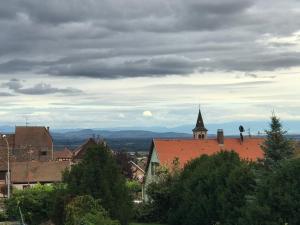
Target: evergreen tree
{"x": 99, "y": 175}
{"x": 123, "y": 160}
{"x": 277, "y": 146}
{"x": 277, "y": 199}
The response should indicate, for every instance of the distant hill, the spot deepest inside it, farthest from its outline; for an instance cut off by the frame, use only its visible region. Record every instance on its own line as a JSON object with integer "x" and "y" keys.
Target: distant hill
{"x": 7, "y": 129}
{"x": 87, "y": 133}
{"x": 125, "y": 140}
{"x": 139, "y": 138}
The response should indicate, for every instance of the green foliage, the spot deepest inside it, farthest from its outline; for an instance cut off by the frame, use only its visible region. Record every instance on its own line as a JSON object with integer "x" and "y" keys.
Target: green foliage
{"x": 277, "y": 146}
{"x": 34, "y": 202}
{"x": 39, "y": 204}
{"x": 134, "y": 187}
{"x": 159, "y": 193}
{"x": 144, "y": 212}
{"x": 59, "y": 199}
{"x": 3, "y": 216}
{"x": 145, "y": 224}
{"x": 278, "y": 197}
{"x": 84, "y": 210}
{"x": 210, "y": 190}
{"x": 123, "y": 160}
{"x": 98, "y": 175}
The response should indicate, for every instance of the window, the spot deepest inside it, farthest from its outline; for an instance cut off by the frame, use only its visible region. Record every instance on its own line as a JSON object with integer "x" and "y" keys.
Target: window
{"x": 26, "y": 186}
{"x": 43, "y": 153}
{"x": 154, "y": 166}
{"x": 3, "y": 175}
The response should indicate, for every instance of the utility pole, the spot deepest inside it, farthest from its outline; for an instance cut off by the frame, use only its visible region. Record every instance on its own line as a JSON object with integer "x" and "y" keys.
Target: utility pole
{"x": 8, "y": 166}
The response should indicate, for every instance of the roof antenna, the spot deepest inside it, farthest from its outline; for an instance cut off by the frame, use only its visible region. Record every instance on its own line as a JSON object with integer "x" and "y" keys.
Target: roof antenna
{"x": 249, "y": 132}
{"x": 26, "y": 121}
{"x": 273, "y": 113}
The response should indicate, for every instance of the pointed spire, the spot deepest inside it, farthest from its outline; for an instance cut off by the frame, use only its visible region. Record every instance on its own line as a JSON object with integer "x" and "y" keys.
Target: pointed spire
{"x": 200, "y": 124}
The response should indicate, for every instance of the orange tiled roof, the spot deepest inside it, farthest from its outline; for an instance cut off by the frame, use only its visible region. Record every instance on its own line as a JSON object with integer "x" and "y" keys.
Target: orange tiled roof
{"x": 186, "y": 150}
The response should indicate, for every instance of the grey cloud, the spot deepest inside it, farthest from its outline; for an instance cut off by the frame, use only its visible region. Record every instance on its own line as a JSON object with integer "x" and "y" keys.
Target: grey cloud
{"x": 253, "y": 75}
{"x": 143, "y": 67}
{"x": 263, "y": 62}
{"x": 256, "y": 76}
{"x": 13, "y": 84}
{"x": 42, "y": 89}
{"x": 115, "y": 38}
{"x": 5, "y": 94}
{"x": 249, "y": 84}
{"x": 19, "y": 65}
{"x": 38, "y": 89}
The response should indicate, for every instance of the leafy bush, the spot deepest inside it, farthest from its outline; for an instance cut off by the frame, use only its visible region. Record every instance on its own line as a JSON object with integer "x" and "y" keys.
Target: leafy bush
{"x": 134, "y": 188}
{"x": 159, "y": 194}
{"x": 3, "y": 216}
{"x": 144, "y": 213}
{"x": 84, "y": 210}
{"x": 59, "y": 199}
{"x": 34, "y": 202}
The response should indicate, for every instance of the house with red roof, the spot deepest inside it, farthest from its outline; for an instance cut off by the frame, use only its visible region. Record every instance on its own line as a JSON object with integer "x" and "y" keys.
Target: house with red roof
{"x": 163, "y": 152}
{"x": 63, "y": 155}
{"x": 28, "y": 143}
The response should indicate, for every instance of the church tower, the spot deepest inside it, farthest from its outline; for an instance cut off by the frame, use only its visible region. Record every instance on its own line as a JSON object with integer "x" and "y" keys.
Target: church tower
{"x": 200, "y": 132}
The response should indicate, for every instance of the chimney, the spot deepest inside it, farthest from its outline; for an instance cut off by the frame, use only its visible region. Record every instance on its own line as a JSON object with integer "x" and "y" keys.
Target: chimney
{"x": 220, "y": 136}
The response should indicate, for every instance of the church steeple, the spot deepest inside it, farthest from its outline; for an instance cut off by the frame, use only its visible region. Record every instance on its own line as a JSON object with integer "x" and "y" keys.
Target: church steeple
{"x": 200, "y": 132}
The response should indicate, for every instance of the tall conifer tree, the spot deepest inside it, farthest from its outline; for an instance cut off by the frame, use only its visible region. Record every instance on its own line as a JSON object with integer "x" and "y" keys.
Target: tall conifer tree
{"x": 99, "y": 175}
{"x": 277, "y": 146}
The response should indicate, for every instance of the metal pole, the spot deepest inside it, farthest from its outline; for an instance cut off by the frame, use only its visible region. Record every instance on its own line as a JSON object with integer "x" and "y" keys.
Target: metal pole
{"x": 21, "y": 215}
{"x": 8, "y": 167}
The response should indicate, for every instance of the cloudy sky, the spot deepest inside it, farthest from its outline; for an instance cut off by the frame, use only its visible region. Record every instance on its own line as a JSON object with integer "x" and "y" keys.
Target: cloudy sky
{"x": 114, "y": 63}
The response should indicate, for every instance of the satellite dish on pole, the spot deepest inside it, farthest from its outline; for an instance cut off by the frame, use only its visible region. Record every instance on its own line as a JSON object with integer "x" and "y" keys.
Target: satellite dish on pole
{"x": 241, "y": 128}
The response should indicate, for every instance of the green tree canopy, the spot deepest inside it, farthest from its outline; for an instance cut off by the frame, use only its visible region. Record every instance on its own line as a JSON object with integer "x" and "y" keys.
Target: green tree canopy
{"x": 211, "y": 189}
{"x": 98, "y": 175}
{"x": 277, "y": 146}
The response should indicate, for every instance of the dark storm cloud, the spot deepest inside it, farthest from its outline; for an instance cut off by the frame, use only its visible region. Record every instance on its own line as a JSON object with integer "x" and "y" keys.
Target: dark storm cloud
{"x": 38, "y": 89}
{"x": 115, "y": 38}
{"x": 134, "y": 68}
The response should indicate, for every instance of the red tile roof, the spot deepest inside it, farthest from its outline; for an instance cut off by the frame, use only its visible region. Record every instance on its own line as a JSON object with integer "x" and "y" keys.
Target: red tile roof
{"x": 81, "y": 150}
{"x": 62, "y": 154}
{"x": 186, "y": 150}
{"x": 35, "y": 171}
{"x": 33, "y": 136}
